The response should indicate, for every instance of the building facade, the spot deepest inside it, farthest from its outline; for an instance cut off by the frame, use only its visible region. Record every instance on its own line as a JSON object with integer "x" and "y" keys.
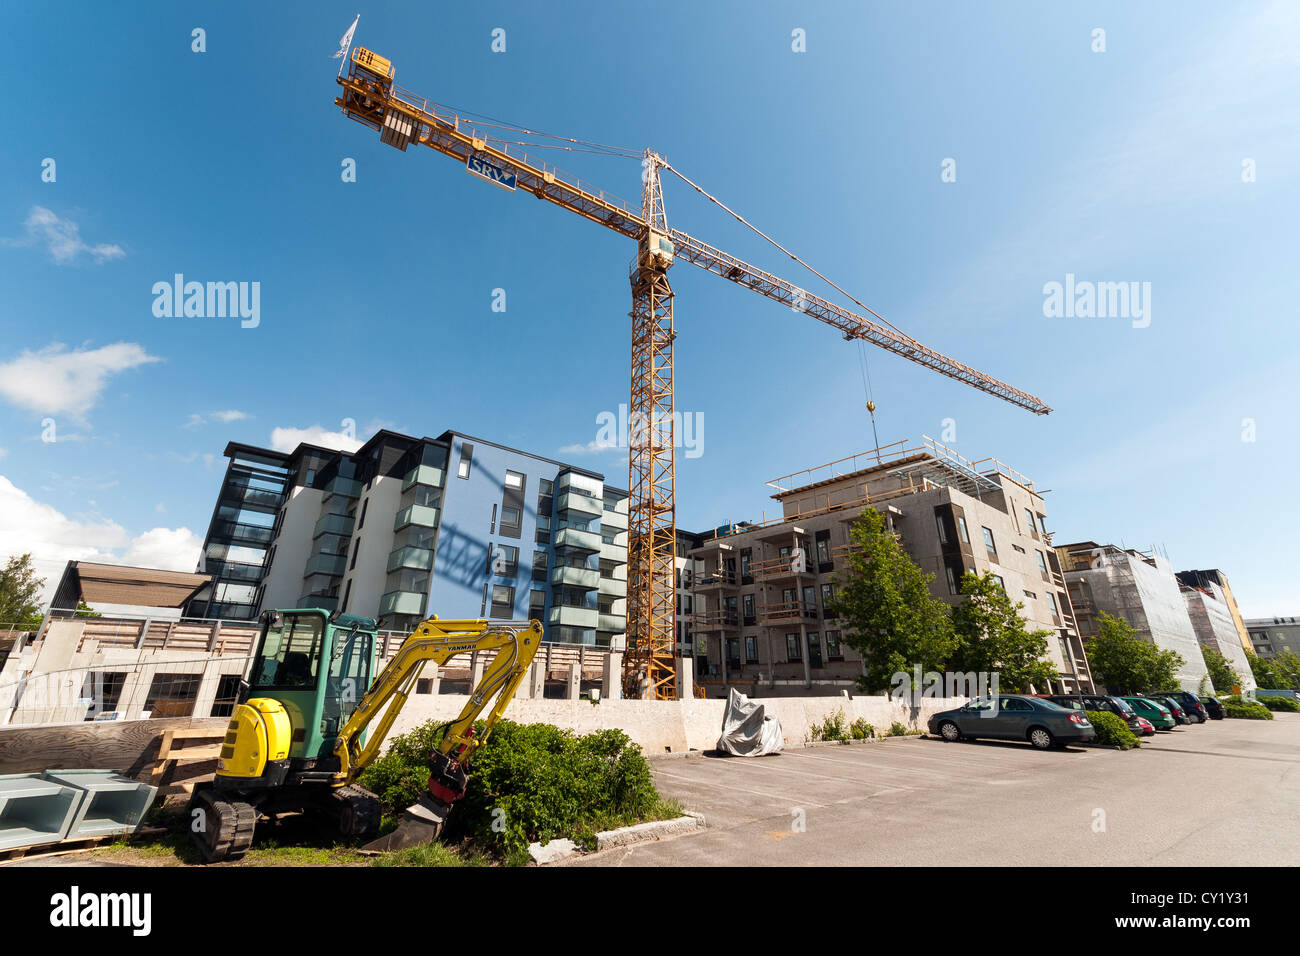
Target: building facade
{"x": 1215, "y": 629}
{"x": 1215, "y": 583}
{"x": 1139, "y": 587}
{"x": 1269, "y": 636}
{"x": 763, "y": 590}
{"x": 406, "y": 527}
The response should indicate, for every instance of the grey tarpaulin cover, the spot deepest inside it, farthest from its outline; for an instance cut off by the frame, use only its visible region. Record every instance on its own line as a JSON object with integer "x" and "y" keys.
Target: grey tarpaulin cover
{"x": 747, "y": 731}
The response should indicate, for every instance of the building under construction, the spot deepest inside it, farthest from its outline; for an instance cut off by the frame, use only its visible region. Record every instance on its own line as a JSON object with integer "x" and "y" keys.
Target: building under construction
{"x": 762, "y": 590}
{"x": 1140, "y": 587}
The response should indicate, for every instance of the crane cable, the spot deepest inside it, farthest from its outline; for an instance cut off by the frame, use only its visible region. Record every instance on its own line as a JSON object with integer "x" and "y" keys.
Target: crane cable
{"x": 743, "y": 221}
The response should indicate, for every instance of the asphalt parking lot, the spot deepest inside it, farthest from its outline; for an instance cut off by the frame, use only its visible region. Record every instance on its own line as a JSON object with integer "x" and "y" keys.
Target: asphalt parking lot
{"x": 1222, "y": 793}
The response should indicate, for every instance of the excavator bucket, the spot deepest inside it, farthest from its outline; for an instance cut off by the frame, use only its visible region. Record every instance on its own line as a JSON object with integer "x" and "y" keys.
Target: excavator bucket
{"x": 420, "y": 823}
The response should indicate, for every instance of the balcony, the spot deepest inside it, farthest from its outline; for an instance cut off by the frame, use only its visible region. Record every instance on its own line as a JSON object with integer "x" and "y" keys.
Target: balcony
{"x": 714, "y": 578}
{"x": 787, "y": 612}
{"x": 421, "y": 515}
{"x": 772, "y": 569}
{"x": 246, "y": 496}
{"x": 326, "y": 602}
{"x": 579, "y": 617}
{"x": 616, "y": 553}
{"x": 232, "y": 571}
{"x": 423, "y": 475}
{"x": 612, "y": 622}
{"x": 402, "y": 602}
{"x": 617, "y": 587}
{"x": 572, "y": 539}
{"x": 418, "y": 559}
{"x": 331, "y": 564}
{"x": 716, "y": 620}
{"x": 585, "y": 578}
{"x": 232, "y": 532}
{"x": 576, "y": 501}
{"x": 613, "y": 519}
{"x": 333, "y": 524}
{"x": 343, "y": 487}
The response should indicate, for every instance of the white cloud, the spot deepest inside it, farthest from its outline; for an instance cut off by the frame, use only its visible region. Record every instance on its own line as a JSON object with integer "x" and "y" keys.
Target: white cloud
{"x": 28, "y": 526}
{"x": 230, "y": 415}
{"x": 593, "y": 447}
{"x": 62, "y": 238}
{"x": 171, "y": 549}
{"x": 54, "y": 381}
{"x": 287, "y": 439}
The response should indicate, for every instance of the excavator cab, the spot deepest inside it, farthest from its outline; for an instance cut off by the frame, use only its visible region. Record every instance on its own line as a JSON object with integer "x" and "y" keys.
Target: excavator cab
{"x": 316, "y": 666}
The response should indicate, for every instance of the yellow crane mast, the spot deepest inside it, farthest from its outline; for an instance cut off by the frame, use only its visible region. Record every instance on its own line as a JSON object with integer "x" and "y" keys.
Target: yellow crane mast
{"x": 371, "y": 97}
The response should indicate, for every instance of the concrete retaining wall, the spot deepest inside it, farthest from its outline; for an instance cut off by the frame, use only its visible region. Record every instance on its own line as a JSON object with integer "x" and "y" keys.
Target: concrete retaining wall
{"x": 676, "y": 726}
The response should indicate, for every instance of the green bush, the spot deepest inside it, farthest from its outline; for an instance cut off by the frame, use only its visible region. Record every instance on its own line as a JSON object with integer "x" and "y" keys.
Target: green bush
{"x": 1279, "y": 704}
{"x": 833, "y": 727}
{"x": 1112, "y": 730}
{"x": 897, "y": 730}
{"x": 1245, "y": 710}
{"x": 529, "y": 782}
{"x": 861, "y": 730}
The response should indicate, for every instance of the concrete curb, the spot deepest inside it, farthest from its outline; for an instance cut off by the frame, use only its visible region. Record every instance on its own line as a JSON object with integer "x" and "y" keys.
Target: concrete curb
{"x": 558, "y": 850}
{"x": 849, "y": 743}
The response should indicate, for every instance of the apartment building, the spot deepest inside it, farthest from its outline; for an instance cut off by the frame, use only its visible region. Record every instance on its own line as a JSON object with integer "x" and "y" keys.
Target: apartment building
{"x": 1215, "y": 583}
{"x": 763, "y": 589}
{"x": 1269, "y": 636}
{"x": 404, "y": 527}
{"x": 686, "y": 569}
{"x": 1140, "y": 587}
{"x": 1213, "y": 624}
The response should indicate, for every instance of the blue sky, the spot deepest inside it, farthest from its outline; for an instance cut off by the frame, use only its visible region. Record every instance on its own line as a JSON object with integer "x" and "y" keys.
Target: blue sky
{"x": 1117, "y": 166}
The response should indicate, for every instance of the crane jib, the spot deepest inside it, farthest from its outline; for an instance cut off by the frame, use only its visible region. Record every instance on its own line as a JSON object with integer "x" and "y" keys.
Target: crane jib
{"x": 498, "y": 175}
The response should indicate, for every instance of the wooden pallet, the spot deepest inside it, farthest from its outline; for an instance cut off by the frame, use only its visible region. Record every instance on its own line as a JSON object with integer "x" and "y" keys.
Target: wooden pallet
{"x": 170, "y": 756}
{"x": 44, "y": 850}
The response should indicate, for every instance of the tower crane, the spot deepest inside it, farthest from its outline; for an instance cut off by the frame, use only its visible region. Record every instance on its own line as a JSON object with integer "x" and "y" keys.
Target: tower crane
{"x": 371, "y": 97}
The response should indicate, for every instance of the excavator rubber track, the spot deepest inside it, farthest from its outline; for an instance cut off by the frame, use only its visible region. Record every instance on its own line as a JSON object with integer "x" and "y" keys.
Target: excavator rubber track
{"x": 228, "y": 827}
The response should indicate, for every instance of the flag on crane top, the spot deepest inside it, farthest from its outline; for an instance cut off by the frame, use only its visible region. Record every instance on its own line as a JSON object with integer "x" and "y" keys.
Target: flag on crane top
{"x": 347, "y": 39}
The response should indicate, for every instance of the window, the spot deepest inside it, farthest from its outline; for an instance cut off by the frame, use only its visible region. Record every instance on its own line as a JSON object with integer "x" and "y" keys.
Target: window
{"x": 751, "y": 650}
{"x": 793, "y": 649}
{"x": 365, "y": 506}
{"x": 172, "y": 695}
{"x": 746, "y": 554}
{"x": 539, "y": 565}
{"x": 356, "y": 549}
{"x": 823, "y": 548}
{"x": 105, "y": 689}
{"x": 943, "y": 532}
{"x": 505, "y": 560}
{"x": 1015, "y": 705}
{"x": 988, "y": 543}
{"x": 503, "y": 601}
{"x": 1042, "y": 524}
{"x": 833, "y": 650}
{"x": 1042, "y": 563}
{"x": 543, "y": 536}
{"x": 1029, "y": 521}
{"x": 1017, "y": 548}
{"x": 1002, "y": 584}
{"x": 223, "y": 705}
{"x": 536, "y": 604}
{"x": 749, "y": 608}
{"x": 466, "y": 459}
{"x": 347, "y": 593}
{"x": 514, "y": 480}
{"x": 1051, "y": 602}
{"x": 510, "y": 517}
{"x": 828, "y": 597}
{"x": 1031, "y": 594}
{"x": 492, "y": 525}
{"x": 961, "y": 526}
{"x": 424, "y": 685}
{"x": 952, "y": 581}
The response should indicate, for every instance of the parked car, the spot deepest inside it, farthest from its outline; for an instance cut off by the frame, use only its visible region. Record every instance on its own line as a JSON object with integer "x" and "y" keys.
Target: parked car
{"x": 1115, "y": 705}
{"x": 1214, "y": 707}
{"x": 1153, "y": 711}
{"x": 1165, "y": 700}
{"x": 1190, "y": 703}
{"x": 1042, "y": 722}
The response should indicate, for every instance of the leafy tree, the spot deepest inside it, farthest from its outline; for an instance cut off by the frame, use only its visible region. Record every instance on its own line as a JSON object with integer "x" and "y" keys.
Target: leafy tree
{"x": 884, "y": 604}
{"x": 1280, "y": 672}
{"x": 85, "y": 610}
{"x": 1222, "y": 675}
{"x": 20, "y": 592}
{"x": 1125, "y": 663}
{"x": 992, "y": 637}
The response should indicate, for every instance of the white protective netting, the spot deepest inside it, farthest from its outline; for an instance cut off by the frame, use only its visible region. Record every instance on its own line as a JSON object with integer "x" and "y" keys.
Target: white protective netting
{"x": 1212, "y": 621}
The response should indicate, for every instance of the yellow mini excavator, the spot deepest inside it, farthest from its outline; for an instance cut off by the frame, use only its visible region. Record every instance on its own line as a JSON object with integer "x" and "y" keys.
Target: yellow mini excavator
{"x": 298, "y": 740}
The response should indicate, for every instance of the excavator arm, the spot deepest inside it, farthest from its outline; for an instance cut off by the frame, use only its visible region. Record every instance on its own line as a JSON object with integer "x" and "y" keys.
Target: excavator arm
{"x": 516, "y": 643}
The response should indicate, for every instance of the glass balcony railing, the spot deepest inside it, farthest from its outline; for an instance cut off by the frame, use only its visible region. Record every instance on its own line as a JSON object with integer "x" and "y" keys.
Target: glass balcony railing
{"x": 614, "y": 586}
{"x": 343, "y": 487}
{"x": 238, "y": 533}
{"x": 613, "y": 519}
{"x": 572, "y": 539}
{"x": 612, "y": 622}
{"x": 332, "y": 564}
{"x": 401, "y": 602}
{"x": 423, "y": 475}
{"x": 586, "y": 578}
{"x": 616, "y": 553}
{"x": 233, "y": 571}
{"x": 581, "y": 617}
{"x": 582, "y": 504}
{"x": 418, "y": 559}
{"x": 421, "y": 515}
{"x": 333, "y": 524}
{"x": 328, "y": 602}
